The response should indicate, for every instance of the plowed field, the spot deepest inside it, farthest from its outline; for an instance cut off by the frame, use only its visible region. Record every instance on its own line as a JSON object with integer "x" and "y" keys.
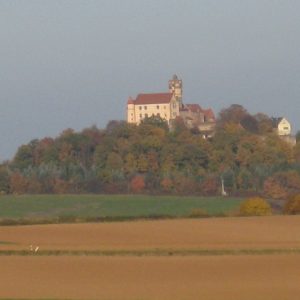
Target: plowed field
{"x": 214, "y": 233}
{"x": 252, "y": 276}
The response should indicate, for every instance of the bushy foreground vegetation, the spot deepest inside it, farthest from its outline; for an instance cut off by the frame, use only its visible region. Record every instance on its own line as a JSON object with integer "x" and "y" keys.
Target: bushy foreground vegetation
{"x": 150, "y": 158}
{"x": 255, "y": 206}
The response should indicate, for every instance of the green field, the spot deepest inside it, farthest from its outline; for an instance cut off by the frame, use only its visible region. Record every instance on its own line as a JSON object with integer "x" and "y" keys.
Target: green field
{"x": 110, "y": 206}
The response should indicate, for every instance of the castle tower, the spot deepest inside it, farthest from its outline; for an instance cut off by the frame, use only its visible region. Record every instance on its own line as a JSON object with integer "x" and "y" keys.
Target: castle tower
{"x": 130, "y": 111}
{"x": 175, "y": 87}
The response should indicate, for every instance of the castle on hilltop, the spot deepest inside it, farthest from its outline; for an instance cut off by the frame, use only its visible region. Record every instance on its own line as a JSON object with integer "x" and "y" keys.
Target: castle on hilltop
{"x": 169, "y": 106}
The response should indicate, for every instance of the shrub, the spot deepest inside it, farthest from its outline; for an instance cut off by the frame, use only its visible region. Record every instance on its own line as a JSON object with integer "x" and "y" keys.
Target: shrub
{"x": 255, "y": 206}
{"x": 292, "y": 206}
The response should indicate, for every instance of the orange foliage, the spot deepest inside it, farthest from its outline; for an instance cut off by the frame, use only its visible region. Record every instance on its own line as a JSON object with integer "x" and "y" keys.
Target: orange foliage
{"x": 137, "y": 184}
{"x": 166, "y": 184}
{"x": 282, "y": 184}
{"x": 18, "y": 184}
{"x": 209, "y": 186}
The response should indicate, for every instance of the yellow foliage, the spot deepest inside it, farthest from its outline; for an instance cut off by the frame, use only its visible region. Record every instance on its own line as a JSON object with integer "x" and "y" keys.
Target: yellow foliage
{"x": 255, "y": 206}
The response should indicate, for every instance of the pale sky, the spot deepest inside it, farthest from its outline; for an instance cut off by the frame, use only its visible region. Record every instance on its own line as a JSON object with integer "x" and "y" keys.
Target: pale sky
{"x": 73, "y": 64}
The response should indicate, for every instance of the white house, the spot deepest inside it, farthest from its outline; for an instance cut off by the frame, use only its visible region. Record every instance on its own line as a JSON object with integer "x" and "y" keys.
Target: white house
{"x": 282, "y": 126}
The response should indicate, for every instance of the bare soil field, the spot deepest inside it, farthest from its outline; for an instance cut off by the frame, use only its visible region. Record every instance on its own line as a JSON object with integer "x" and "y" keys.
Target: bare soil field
{"x": 278, "y": 232}
{"x": 209, "y": 277}
{"x": 243, "y": 277}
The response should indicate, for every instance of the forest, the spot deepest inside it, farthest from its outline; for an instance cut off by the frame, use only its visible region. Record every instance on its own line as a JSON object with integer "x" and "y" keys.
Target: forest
{"x": 151, "y": 158}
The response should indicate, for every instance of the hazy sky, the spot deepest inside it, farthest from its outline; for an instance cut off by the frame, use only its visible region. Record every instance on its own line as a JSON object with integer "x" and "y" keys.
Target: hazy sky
{"x": 73, "y": 64}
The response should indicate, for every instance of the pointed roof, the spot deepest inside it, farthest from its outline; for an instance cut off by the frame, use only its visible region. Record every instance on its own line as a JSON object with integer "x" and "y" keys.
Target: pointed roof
{"x": 130, "y": 101}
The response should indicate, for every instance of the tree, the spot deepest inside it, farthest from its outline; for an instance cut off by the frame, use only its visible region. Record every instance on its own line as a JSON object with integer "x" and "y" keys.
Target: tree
{"x": 233, "y": 114}
{"x": 18, "y": 183}
{"x": 264, "y": 123}
{"x": 255, "y": 206}
{"x": 23, "y": 158}
{"x": 156, "y": 121}
{"x": 292, "y": 206}
{"x": 4, "y": 179}
{"x": 250, "y": 124}
{"x": 282, "y": 184}
{"x": 137, "y": 184}
{"x": 298, "y": 136}
{"x": 210, "y": 186}
{"x": 166, "y": 184}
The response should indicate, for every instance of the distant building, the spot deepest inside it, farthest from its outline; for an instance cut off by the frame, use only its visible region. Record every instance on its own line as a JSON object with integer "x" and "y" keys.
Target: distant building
{"x": 163, "y": 105}
{"x": 284, "y": 130}
{"x": 195, "y": 117}
{"x": 282, "y": 126}
{"x": 170, "y": 106}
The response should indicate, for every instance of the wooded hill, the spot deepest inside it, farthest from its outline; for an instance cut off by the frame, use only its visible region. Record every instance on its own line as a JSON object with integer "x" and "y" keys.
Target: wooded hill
{"x": 150, "y": 158}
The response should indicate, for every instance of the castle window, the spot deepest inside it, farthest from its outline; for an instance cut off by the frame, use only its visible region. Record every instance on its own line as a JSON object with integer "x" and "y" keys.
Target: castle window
{"x": 140, "y": 107}
{"x": 141, "y": 115}
{"x": 157, "y": 106}
{"x": 145, "y": 107}
{"x": 165, "y": 107}
{"x": 146, "y": 115}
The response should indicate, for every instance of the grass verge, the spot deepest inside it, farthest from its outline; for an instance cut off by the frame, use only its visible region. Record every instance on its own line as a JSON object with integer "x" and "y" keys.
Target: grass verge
{"x": 151, "y": 252}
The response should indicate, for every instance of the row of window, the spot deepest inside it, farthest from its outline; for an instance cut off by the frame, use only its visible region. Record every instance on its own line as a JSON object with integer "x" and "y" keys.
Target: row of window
{"x": 146, "y": 115}
{"x": 145, "y": 107}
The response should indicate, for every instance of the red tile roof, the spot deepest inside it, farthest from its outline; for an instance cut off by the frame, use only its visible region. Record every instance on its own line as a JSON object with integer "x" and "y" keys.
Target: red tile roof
{"x": 153, "y": 98}
{"x": 209, "y": 114}
{"x": 130, "y": 101}
{"x": 195, "y": 108}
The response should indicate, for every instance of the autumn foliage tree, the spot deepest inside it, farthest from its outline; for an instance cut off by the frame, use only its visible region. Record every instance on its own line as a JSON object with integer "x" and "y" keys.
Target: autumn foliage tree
{"x": 137, "y": 184}
{"x": 282, "y": 184}
{"x": 292, "y": 206}
{"x": 243, "y": 151}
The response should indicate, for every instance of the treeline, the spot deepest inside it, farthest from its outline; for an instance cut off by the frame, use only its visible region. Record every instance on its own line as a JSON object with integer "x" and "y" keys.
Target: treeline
{"x": 150, "y": 158}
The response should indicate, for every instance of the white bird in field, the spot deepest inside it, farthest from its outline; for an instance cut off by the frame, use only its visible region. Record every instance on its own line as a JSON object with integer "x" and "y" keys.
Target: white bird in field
{"x": 36, "y": 249}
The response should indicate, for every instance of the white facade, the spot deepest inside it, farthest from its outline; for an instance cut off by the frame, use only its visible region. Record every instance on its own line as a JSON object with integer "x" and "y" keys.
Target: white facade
{"x": 284, "y": 127}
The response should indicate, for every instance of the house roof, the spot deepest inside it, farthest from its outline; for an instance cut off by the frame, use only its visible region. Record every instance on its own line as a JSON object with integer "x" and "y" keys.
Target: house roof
{"x": 153, "y": 98}
{"x": 130, "y": 101}
{"x": 195, "y": 108}
{"x": 209, "y": 114}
